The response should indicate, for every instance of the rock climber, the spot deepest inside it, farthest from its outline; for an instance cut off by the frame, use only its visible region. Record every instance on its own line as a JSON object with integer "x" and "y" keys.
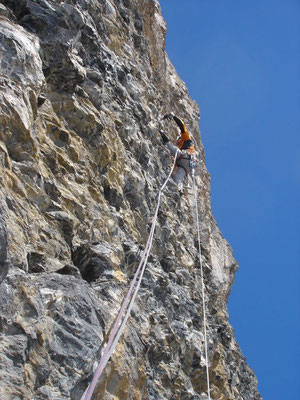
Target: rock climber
{"x": 185, "y": 158}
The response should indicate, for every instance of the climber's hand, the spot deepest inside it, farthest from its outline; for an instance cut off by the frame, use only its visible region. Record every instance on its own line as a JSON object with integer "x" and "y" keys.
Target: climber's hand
{"x": 168, "y": 116}
{"x": 164, "y": 137}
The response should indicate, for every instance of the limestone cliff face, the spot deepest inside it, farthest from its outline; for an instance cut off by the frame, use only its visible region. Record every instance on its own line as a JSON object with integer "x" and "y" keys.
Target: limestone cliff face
{"x": 83, "y": 86}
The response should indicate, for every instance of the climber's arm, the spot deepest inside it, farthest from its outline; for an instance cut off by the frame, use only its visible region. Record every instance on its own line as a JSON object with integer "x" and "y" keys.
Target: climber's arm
{"x": 184, "y": 133}
{"x": 180, "y": 124}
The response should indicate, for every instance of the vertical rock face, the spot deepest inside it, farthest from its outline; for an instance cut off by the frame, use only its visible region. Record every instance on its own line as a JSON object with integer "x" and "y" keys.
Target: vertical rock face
{"x": 83, "y": 86}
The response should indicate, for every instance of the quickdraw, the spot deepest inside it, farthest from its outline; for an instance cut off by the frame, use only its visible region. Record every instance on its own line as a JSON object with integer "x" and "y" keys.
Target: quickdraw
{"x": 193, "y": 162}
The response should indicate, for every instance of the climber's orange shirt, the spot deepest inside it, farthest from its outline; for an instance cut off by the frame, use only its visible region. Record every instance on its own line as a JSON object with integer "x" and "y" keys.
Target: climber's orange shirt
{"x": 184, "y": 134}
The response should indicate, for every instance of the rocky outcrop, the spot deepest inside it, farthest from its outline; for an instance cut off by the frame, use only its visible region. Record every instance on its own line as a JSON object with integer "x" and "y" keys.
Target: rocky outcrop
{"x": 83, "y": 86}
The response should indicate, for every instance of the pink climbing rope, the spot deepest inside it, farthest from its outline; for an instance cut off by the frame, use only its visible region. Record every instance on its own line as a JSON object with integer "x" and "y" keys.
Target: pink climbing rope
{"x": 116, "y": 331}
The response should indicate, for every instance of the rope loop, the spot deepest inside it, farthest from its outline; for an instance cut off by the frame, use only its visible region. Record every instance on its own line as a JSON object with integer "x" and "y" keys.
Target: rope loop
{"x": 117, "y": 329}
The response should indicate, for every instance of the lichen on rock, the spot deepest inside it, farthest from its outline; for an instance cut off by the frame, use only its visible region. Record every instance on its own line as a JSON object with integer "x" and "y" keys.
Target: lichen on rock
{"x": 83, "y": 87}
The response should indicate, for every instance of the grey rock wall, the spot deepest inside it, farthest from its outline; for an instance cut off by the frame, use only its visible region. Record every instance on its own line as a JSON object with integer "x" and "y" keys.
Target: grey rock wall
{"x": 83, "y": 86}
{"x": 3, "y": 248}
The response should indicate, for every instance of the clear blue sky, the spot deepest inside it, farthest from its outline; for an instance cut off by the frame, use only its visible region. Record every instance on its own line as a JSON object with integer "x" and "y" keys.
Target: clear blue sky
{"x": 241, "y": 62}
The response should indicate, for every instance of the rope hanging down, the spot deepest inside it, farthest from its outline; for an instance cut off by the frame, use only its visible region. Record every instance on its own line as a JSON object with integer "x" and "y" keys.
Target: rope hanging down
{"x": 117, "y": 331}
{"x": 202, "y": 283}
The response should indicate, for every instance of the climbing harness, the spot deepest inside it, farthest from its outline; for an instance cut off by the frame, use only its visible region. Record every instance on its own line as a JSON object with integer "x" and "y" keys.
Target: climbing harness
{"x": 185, "y": 155}
{"x": 117, "y": 331}
{"x": 202, "y": 282}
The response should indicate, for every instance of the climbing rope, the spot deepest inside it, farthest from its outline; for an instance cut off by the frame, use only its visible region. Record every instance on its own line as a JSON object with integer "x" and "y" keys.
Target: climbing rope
{"x": 117, "y": 331}
{"x": 202, "y": 282}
